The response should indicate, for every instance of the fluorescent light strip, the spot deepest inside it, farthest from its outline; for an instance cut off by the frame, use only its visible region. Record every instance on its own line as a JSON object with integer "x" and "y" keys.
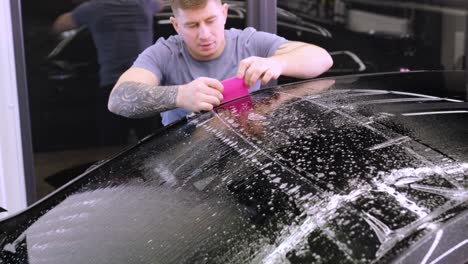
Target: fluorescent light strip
{"x": 436, "y": 113}
{"x": 398, "y": 100}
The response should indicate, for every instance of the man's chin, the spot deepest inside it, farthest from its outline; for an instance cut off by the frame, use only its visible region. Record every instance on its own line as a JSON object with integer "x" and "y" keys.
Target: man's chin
{"x": 207, "y": 55}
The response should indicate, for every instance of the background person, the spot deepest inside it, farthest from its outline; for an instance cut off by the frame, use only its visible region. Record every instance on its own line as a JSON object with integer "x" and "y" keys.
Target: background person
{"x": 181, "y": 74}
{"x": 121, "y": 29}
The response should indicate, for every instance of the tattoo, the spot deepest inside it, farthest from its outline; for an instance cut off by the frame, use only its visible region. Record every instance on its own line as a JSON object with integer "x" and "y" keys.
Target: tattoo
{"x": 137, "y": 100}
{"x": 290, "y": 46}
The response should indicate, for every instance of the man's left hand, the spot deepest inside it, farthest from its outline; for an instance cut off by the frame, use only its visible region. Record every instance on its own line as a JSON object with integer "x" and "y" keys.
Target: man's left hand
{"x": 254, "y": 68}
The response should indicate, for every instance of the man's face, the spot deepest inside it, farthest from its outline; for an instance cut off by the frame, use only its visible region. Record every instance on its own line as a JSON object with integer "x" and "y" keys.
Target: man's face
{"x": 202, "y": 29}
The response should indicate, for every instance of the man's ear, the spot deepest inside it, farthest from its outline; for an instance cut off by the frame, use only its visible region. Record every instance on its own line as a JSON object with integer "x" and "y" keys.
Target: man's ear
{"x": 225, "y": 11}
{"x": 174, "y": 23}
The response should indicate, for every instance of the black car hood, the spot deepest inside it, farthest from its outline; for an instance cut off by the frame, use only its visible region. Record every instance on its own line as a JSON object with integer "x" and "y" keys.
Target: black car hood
{"x": 346, "y": 170}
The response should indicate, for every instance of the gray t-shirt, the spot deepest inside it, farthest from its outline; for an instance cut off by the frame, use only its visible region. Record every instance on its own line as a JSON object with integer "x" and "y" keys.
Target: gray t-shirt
{"x": 172, "y": 63}
{"x": 121, "y": 30}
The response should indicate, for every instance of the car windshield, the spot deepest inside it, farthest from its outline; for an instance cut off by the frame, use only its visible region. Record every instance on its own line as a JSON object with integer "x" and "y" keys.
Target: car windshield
{"x": 324, "y": 171}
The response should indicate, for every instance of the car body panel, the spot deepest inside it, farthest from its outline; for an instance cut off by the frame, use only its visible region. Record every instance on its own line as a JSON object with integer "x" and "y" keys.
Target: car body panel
{"x": 365, "y": 168}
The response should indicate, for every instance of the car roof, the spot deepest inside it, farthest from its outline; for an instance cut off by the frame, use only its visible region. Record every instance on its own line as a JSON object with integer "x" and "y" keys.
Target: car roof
{"x": 361, "y": 168}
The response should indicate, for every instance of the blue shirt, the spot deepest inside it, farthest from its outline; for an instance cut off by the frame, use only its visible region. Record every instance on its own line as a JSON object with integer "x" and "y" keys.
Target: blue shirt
{"x": 121, "y": 29}
{"x": 172, "y": 63}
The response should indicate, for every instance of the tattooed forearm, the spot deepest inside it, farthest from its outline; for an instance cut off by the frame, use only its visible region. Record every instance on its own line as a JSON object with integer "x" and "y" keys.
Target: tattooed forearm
{"x": 137, "y": 100}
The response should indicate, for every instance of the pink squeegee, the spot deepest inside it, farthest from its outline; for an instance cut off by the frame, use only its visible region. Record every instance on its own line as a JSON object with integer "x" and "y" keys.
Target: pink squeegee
{"x": 234, "y": 88}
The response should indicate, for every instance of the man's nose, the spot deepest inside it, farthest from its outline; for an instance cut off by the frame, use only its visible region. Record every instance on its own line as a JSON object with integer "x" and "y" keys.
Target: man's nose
{"x": 203, "y": 31}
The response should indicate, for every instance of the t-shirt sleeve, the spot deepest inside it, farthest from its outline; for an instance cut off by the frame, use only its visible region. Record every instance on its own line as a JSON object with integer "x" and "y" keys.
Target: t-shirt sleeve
{"x": 263, "y": 43}
{"x": 153, "y": 58}
{"x": 83, "y": 14}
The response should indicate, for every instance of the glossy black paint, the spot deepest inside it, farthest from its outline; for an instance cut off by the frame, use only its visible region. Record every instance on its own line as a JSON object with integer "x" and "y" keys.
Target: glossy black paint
{"x": 347, "y": 169}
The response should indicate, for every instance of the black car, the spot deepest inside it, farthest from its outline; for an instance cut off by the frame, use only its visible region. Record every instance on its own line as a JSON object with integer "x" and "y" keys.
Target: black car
{"x": 357, "y": 169}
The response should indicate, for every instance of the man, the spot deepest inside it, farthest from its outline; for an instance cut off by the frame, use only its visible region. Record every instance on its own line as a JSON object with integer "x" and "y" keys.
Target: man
{"x": 183, "y": 73}
{"x": 121, "y": 29}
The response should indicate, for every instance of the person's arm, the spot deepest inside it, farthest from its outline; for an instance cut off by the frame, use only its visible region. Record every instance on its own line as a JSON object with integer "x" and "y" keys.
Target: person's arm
{"x": 137, "y": 94}
{"x": 64, "y": 22}
{"x": 293, "y": 59}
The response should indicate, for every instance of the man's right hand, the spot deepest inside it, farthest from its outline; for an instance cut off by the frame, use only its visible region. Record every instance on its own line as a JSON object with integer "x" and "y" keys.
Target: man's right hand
{"x": 202, "y": 94}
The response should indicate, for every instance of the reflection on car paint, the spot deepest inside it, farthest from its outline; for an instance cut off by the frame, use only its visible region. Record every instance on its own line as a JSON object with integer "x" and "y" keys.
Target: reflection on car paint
{"x": 383, "y": 232}
{"x": 300, "y": 173}
{"x": 436, "y": 113}
{"x": 389, "y": 143}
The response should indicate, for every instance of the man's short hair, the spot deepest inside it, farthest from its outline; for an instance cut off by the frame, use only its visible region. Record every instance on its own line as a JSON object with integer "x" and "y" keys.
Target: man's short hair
{"x": 189, "y": 4}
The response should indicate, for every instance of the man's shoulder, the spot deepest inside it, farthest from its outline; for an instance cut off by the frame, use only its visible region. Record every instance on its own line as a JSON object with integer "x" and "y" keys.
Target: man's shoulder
{"x": 172, "y": 44}
{"x": 91, "y": 6}
{"x": 84, "y": 12}
{"x": 235, "y": 32}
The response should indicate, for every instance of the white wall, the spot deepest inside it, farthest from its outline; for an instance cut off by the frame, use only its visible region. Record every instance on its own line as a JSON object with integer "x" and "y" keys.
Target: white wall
{"x": 12, "y": 181}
